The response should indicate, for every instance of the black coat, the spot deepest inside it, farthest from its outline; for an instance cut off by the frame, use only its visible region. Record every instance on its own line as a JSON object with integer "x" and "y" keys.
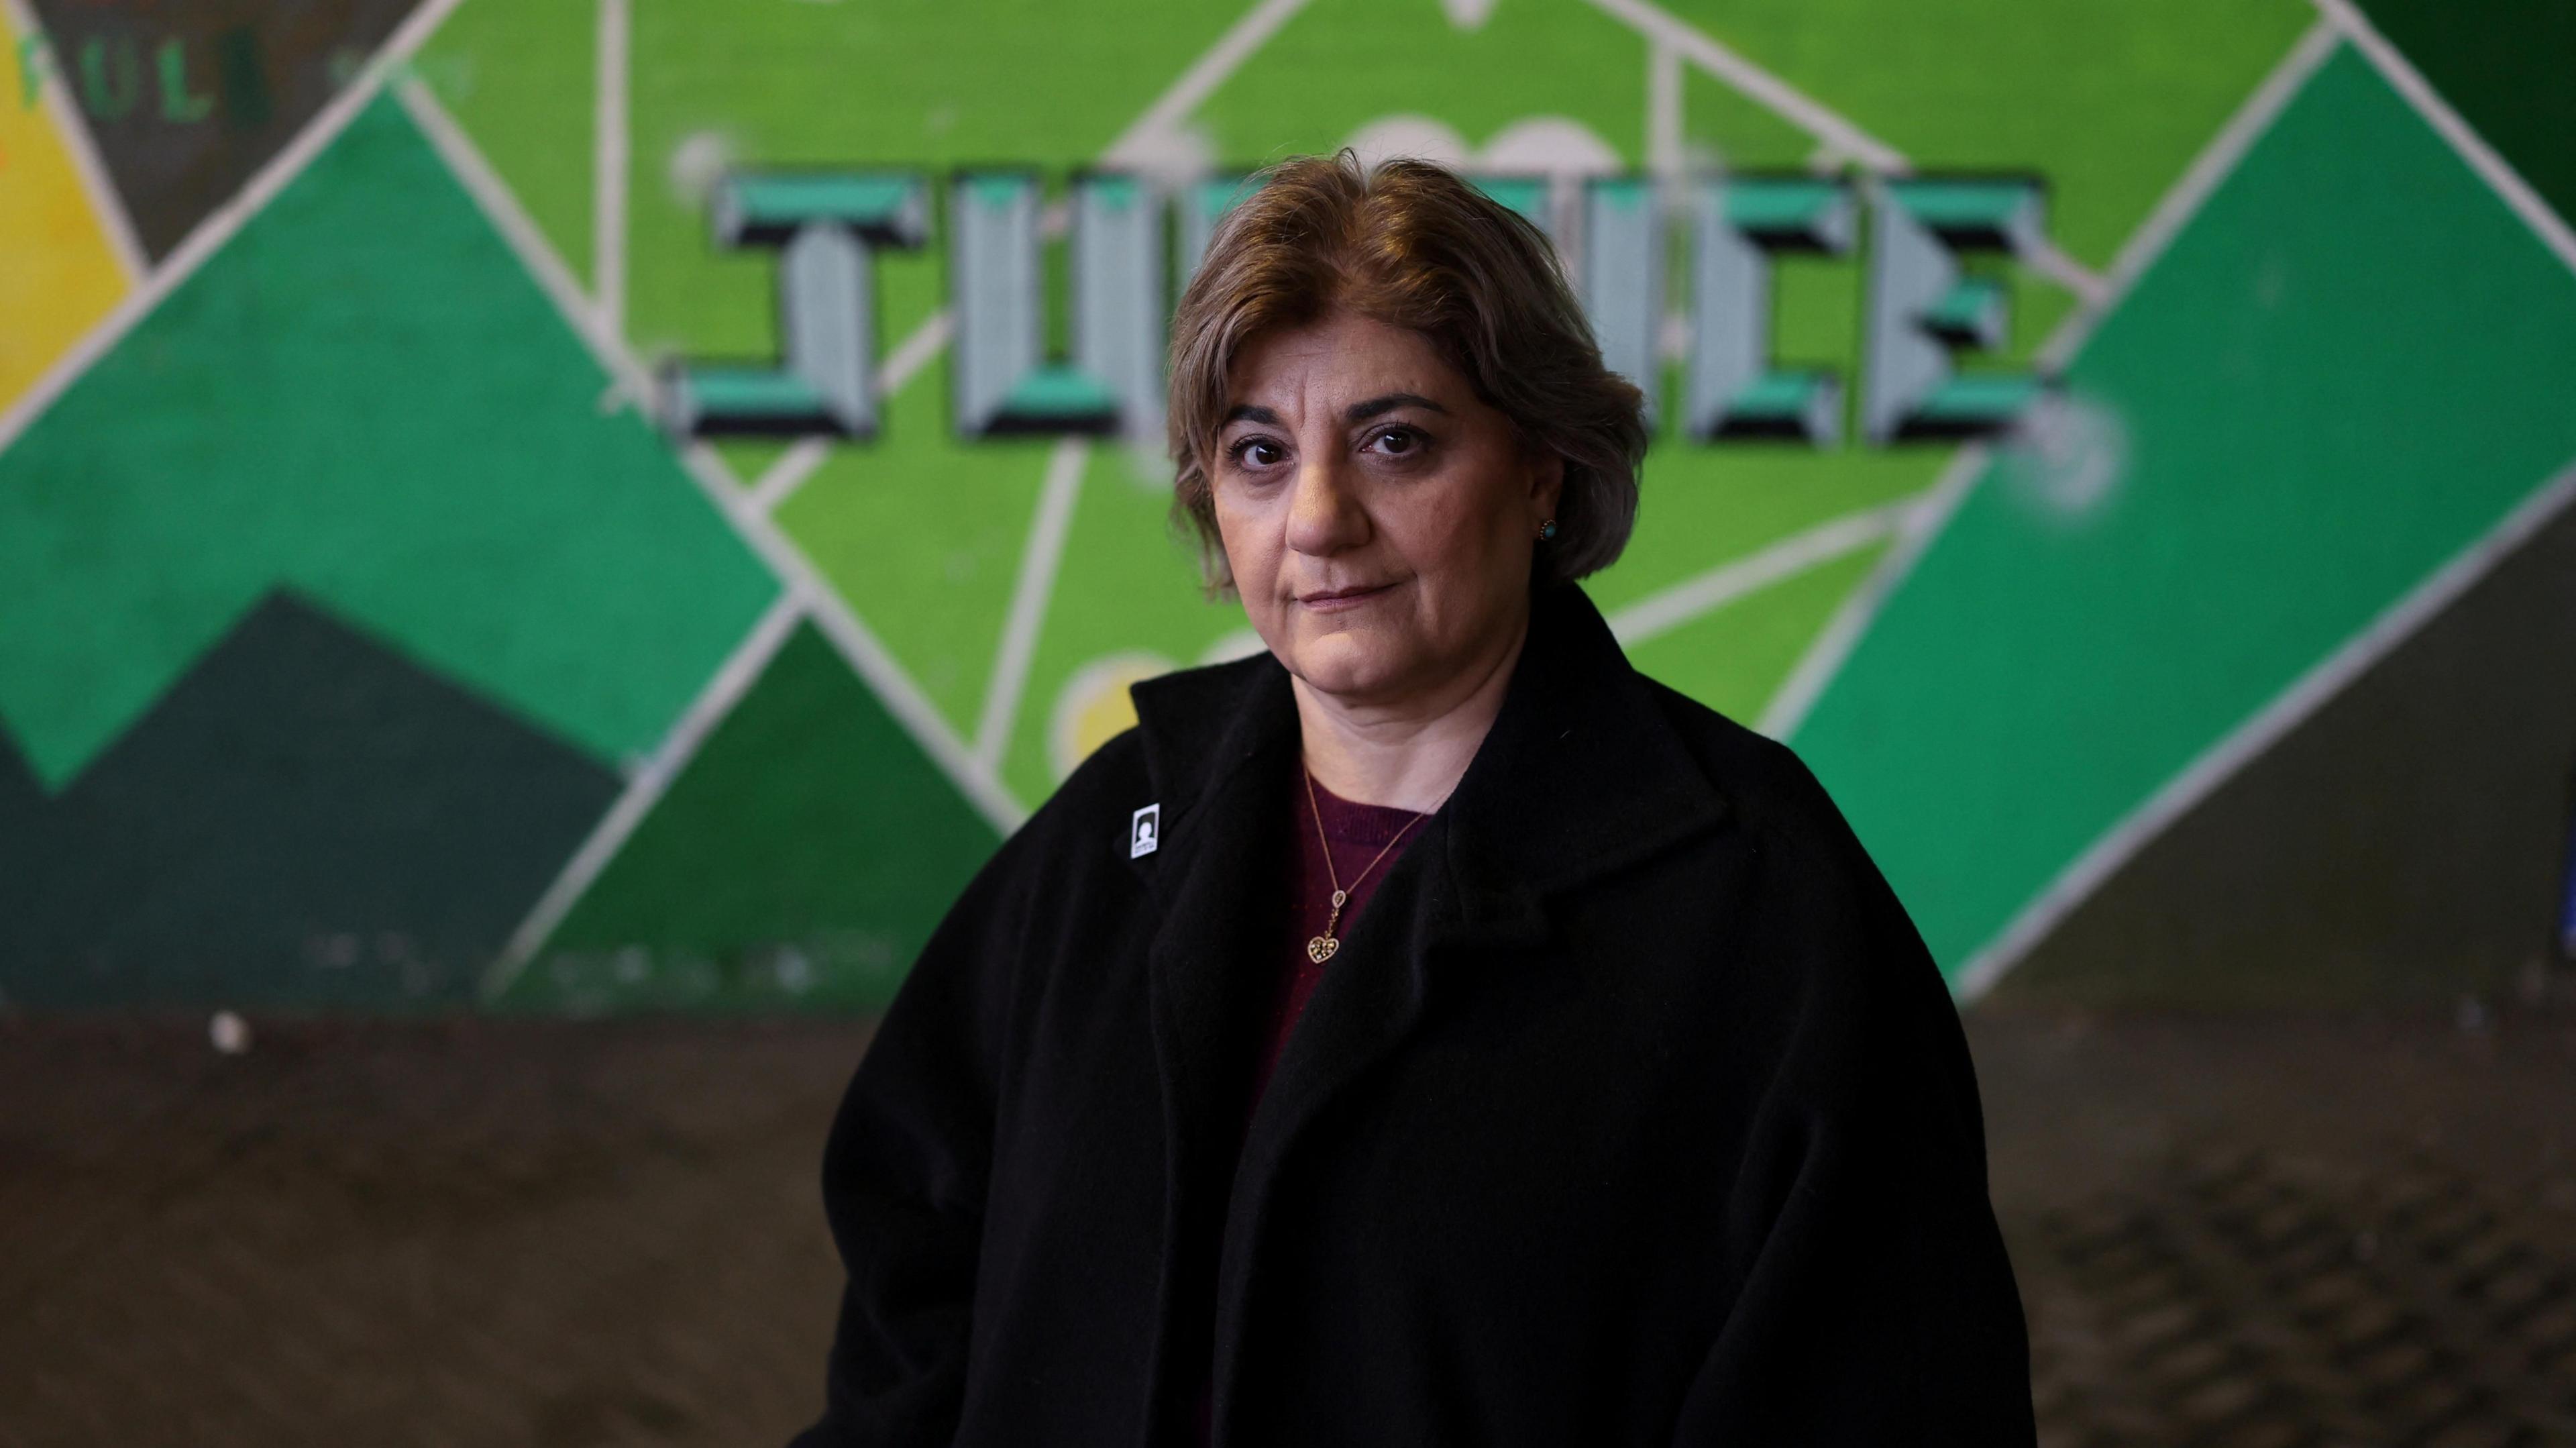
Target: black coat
{"x": 1632, "y": 1111}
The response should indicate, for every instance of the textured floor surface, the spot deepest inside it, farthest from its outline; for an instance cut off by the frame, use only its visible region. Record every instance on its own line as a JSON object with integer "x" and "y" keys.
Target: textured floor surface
{"x": 2231, "y": 1229}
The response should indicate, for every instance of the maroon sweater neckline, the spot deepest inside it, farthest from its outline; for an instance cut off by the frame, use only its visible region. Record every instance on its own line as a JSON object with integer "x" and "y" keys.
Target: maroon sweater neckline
{"x": 1350, "y": 822}
{"x": 1355, "y": 832}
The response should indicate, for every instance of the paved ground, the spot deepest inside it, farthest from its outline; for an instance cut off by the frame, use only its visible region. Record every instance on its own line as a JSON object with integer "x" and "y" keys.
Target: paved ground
{"x": 2232, "y": 1230}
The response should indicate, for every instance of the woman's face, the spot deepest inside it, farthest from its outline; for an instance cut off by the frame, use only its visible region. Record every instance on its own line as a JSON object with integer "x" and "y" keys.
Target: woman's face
{"x": 1379, "y": 518}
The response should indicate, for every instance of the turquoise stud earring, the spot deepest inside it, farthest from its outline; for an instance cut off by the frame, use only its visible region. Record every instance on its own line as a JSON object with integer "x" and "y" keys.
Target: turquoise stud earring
{"x": 1547, "y": 530}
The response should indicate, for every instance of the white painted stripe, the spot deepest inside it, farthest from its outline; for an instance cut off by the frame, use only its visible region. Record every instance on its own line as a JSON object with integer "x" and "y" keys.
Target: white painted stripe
{"x": 2053, "y": 263}
{"x": 799, "y": 463}
{"x": 1758, "y": 85}
{"x": 1136, "y": 144}
{"x": 1029, "y": 599}
{"x": 2217, "y": 160}
{"x": 221, "y": 223}
{"x": 608, "y": 167}
{"x": 2182, "y": 201}
{"x": 2492, "y": 168}
{"x": 791, "y": 470}
{"x": 1824, "y": 657}
{"x": 2231, "y": 753}
{"x": 1663, "y": 110}
{"x": 869, "y": 657}
{"x": 732, "y": 679}
{"x": 501, "y": 207}
{"x": 87, "y": 166}
{"x": 1669, "y": 608}
{"x": 915, "y": 352}
{"x": 866, "y": 653}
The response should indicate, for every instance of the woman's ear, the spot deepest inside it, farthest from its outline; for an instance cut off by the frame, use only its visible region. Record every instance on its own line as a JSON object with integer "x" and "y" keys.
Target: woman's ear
{"x": 1547, "y": 485}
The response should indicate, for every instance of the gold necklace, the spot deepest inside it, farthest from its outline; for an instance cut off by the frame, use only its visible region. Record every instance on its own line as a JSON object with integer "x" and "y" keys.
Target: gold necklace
{"x": 1321, "y": 948}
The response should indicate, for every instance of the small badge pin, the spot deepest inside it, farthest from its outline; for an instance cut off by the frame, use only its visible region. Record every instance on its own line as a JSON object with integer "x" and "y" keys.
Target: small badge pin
{"x": 1144, "y": 831}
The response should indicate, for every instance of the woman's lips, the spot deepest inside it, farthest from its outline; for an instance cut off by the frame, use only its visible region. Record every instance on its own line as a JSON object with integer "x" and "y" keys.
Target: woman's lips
{"x": 1335, "y": 600}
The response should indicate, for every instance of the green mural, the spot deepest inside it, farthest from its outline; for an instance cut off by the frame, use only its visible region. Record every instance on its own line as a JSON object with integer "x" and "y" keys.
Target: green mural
{"x": 384, "y": 379}
{"x": 2242, "y": 499}
{"x": 762, "y": 879}
{"x": 364, "y": 395}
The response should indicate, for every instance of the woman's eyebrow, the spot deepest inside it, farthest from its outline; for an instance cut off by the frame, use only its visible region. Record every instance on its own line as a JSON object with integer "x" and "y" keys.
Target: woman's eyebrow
{"x": 1363, "y": 411}
{"x": 1246, "y": 412}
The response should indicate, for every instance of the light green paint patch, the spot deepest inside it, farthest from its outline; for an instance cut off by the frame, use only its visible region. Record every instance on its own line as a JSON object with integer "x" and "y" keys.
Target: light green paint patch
{"x": 928, "y": 84}
{"x": 2251, "y": 499}
{"x": 747, "y": 458}
{"x": 521, "y": 77}
{"x": 922, "y": 535}
{"x": 2110, "y": 101}
{"x": 1699, "y": 507}
{"x": 1342, "y": 64}
{"x": 363, "y": 395}
{"x": 1723, "y": 129}
{"x": 1126, "y": 586}
{"x": 800, "y": 861}
{"x": 1733, "y": 658}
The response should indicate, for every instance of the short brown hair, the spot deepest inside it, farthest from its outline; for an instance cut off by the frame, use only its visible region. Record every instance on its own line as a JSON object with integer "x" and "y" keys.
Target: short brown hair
{"x": 1410, "y": 244}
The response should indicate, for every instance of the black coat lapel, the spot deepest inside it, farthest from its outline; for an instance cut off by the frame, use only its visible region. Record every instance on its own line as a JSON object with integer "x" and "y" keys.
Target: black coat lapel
{"x": 1220, "y": 767}
{"x": 1579, "y": 774}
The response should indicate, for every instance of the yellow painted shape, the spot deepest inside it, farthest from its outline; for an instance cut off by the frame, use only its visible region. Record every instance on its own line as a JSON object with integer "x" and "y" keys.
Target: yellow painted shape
{"x": 58, "y": 276}
{"x": 1093, "y": 706}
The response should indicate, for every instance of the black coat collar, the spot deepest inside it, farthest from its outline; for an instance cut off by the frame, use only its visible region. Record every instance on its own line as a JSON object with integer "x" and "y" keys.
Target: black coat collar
{"x": 1581, "y": 774}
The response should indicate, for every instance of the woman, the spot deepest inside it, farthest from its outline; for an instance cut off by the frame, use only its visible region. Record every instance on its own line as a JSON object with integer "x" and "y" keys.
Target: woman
{"x": 1622, "y": 1103}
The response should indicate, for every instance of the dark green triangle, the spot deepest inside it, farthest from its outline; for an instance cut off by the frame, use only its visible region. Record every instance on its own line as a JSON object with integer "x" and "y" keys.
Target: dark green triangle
{"x": 2503, "y": 65}
{"x": 799, "y": 861}
{"x": 2404, "y": 843}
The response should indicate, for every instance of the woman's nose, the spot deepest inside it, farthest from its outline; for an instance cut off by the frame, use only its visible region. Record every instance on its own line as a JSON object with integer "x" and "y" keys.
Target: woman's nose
{"x": 1324, "y": 514}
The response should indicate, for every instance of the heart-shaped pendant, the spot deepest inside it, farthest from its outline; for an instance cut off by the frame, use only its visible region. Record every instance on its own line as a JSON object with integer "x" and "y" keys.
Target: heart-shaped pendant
{"x": 1321, "y": 948}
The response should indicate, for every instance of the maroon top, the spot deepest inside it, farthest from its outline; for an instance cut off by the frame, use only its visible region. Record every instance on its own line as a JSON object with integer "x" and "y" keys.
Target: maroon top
{"x": 1357, "y": 832}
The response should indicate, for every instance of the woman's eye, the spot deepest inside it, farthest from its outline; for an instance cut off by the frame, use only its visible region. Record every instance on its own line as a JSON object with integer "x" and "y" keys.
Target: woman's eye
{"x": 1397, "y": 442}
{"x": 1259, "y": 452}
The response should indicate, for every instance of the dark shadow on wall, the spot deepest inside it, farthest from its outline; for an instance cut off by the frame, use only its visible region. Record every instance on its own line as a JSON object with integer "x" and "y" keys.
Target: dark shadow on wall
{"x": 305, "y": 819}
{"x": 2408, "y": 841}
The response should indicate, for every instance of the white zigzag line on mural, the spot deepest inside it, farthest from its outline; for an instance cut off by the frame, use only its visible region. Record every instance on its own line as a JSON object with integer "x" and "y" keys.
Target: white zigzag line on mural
{"x": 2050, "y": 261}
{"x": 1669, "y": 608}
{"x": 799, "y": 463}
{"x": 730, "y": 682}
{"x": 611, "y": 140}
{"x": 500, "y": 207}
{"x": 1029, "y": 597}
{"x": 2492, "y": 168}
{"x": 858, "y": 644}
{"x": 1755, "y": 84}
{"x": 220, "y": 224}
{"x": 782, "y": 478}
{"x": 2181, "y": 202}
{"x": 1833, "y": 647}
{"x": 96, "y": 184}
{"x": 1201, "y": 79}
{"x": 2286, "y": 711}
{"x": 1663, "y": 110}
{"x": 865, "y": 653}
